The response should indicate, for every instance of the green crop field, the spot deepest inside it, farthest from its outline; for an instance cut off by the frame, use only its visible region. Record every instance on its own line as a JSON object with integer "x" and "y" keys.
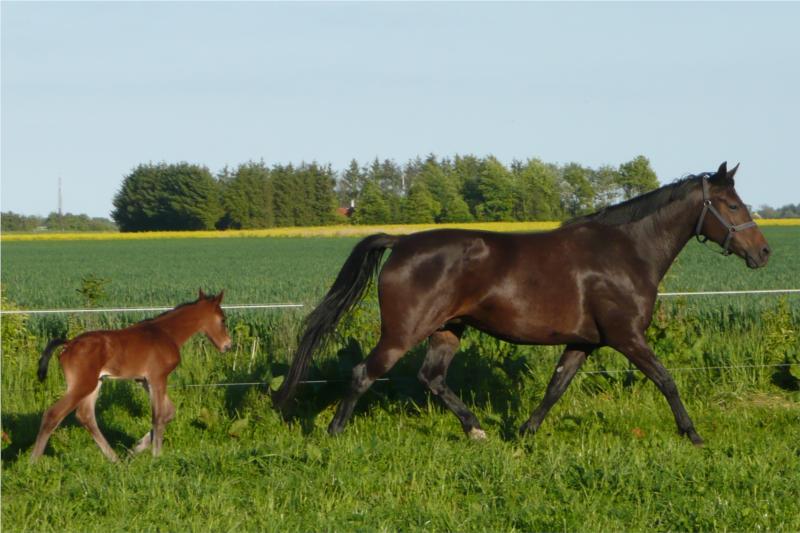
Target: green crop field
{"x": 607, "y": 457}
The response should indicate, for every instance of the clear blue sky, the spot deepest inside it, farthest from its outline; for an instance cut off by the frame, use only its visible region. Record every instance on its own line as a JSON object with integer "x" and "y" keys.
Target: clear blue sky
{"x": 90, "y": 90}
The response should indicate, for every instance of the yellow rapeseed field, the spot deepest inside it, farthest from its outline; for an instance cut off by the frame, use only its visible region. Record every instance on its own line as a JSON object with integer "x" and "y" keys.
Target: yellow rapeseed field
{"x": 316, "y": 231}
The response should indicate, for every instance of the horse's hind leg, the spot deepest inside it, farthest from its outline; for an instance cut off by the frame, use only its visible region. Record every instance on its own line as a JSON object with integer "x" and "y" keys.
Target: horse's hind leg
{"x": 86, "y": 416}
{"x": 147, "y": 439}
{"x": 442, "y": 346}
{"x": 380, "y": 361}
{"x": 569, "y": 363}
{"x": 53, "y": 417}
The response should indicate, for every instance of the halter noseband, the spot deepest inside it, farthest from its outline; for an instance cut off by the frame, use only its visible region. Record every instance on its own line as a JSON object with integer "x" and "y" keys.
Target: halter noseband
{"x": 731, "y": 228}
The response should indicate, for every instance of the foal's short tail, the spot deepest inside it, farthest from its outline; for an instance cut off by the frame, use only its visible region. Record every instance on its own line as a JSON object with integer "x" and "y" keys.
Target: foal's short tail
{"x": 44, "y": 360}
{"x": 349, "y": 287}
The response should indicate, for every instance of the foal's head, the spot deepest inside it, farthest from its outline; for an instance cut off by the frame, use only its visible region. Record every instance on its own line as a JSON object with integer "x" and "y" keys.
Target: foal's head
{"x": 748, "y": 242}
{"x": 212, "y": 322}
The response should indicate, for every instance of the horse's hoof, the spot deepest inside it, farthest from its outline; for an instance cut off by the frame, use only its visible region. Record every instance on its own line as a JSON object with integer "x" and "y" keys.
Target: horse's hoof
{"x": 476, "y": 434}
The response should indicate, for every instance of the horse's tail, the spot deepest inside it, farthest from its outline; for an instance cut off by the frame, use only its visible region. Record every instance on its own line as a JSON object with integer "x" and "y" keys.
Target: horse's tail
{"x": 349, "y": 287}
{"x": 44, "y": 360}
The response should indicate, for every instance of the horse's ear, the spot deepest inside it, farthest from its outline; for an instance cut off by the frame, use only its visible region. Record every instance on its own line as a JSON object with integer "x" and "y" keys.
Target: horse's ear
{"x": 200, "y": 294}
{"x": 218, "y": 299}
{"x": 721, "y": 177}
{"x": 732, "y": 173}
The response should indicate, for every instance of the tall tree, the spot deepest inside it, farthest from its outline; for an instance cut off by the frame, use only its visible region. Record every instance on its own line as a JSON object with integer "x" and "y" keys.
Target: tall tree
{"x": 390, "y": 180}
{"x": 578, "y": 198}
{"x": 444, "y": 188}
{"x": 321, "y": 196}
{"x": 537, "y": 191}
{"x": 419, "y": 207}
{"x": 497, "y": 191}
{"x": 605, "y": 184}
{"x": 637, "y": 177}
{"x": 351, "y": 183}
{"x": 247, "y": 197}
{"x": 411, "y": 170}
{"x": 285, "y": 192}
{"x": 372, "y": 207}
{"x": 167, "y": 197}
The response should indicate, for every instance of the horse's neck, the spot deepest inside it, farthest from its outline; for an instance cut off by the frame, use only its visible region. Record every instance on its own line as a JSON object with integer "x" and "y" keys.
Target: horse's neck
{"x": 661, "y": 236}
{"x": 180, "y": 324}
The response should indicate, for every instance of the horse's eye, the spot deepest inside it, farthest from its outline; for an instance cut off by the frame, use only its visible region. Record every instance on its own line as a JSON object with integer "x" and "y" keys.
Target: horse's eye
{"x": 733, "y": 207}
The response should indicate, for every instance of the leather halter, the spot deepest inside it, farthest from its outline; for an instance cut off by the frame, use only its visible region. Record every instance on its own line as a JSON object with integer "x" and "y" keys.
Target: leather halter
{"x": 731, "y": 228}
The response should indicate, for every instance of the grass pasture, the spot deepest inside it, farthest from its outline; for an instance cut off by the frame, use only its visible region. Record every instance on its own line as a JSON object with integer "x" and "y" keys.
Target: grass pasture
{"x": 607, "y": 457}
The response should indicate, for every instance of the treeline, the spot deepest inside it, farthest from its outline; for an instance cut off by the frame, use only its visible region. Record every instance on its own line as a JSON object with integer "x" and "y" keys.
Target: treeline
{"x": 787, "y": 211}
{"x": 10, "y": 221}
{"x": 460, "y": 189}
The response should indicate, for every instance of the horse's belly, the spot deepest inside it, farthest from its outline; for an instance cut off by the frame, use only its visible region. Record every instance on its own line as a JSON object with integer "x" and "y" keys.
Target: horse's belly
{"x": 559, "y": 325}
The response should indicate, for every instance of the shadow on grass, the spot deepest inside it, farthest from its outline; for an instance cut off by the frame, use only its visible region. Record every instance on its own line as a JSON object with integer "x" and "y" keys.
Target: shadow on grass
{"x": 22, "y": 428}
{"x": 483, "y": 382}
{"x": 784, "y": 378}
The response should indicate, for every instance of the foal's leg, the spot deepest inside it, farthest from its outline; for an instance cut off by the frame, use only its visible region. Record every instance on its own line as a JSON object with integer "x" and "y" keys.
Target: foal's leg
{"x": 571, "y": 360}
{"x": 147, "y": 439}
{"x": 53, "y": 416}
{"x": 163, "y": 411}
{"x": 640, "y": 354}
{"x": 442, "y": 346}
{"x": 380, "y": 360}
{"x": 86, "y": 416}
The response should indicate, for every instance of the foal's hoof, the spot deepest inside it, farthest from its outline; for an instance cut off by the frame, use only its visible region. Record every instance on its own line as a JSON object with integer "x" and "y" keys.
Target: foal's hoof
{"x": 476, "y": 434}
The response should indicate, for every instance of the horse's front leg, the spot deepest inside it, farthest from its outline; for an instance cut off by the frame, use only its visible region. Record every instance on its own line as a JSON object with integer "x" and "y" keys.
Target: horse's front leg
{"x": 640, "y": 354}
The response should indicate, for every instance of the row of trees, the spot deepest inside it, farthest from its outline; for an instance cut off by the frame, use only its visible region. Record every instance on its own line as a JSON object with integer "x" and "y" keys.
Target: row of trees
{"x": 787, "y": 211}
{"x": 465, "y": 188}
{"x": 10, "y": 221}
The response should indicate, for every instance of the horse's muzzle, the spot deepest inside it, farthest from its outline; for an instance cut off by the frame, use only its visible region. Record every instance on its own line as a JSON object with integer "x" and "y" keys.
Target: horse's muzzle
{"x": 758, "y": 259}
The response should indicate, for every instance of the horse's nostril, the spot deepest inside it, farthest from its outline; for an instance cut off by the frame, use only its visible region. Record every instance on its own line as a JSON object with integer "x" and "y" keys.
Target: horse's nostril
{"x": 765, "y": 251}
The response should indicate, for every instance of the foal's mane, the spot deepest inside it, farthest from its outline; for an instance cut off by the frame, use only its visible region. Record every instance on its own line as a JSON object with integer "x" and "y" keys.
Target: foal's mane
{"x": 638, "y": 207}
{"x": 176, "y": 308}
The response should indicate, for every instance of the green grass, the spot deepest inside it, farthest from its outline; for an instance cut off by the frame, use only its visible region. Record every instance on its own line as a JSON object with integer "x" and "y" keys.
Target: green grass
{"x": 607, "y": 457}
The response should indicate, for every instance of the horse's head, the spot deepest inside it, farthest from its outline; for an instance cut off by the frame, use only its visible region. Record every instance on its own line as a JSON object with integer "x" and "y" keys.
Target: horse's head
{"x": 726, "y": 220}
{"x": 213, "y": 321}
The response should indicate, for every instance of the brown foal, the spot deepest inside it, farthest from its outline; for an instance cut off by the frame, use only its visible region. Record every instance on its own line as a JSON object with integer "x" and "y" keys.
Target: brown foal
{"x": 147, "y": 352}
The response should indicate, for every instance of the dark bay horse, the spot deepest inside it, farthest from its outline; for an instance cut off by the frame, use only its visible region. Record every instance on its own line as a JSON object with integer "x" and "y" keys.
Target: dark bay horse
{"x": 593, "y": 282}
{"x": 147, "y": 352}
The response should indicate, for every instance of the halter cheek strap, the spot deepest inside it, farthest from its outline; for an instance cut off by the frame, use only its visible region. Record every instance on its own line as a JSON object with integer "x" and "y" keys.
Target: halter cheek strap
{"x": 731, "y": 228}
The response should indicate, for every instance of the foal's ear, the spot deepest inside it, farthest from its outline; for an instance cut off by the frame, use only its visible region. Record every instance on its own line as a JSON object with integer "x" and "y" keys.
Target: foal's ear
{"x": 218, "y": 299}
{"x": 201, "y": 295}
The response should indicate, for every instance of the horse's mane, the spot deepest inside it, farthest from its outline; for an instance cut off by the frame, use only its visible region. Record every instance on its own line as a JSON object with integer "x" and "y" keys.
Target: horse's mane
{"x": 638, "y": 207}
